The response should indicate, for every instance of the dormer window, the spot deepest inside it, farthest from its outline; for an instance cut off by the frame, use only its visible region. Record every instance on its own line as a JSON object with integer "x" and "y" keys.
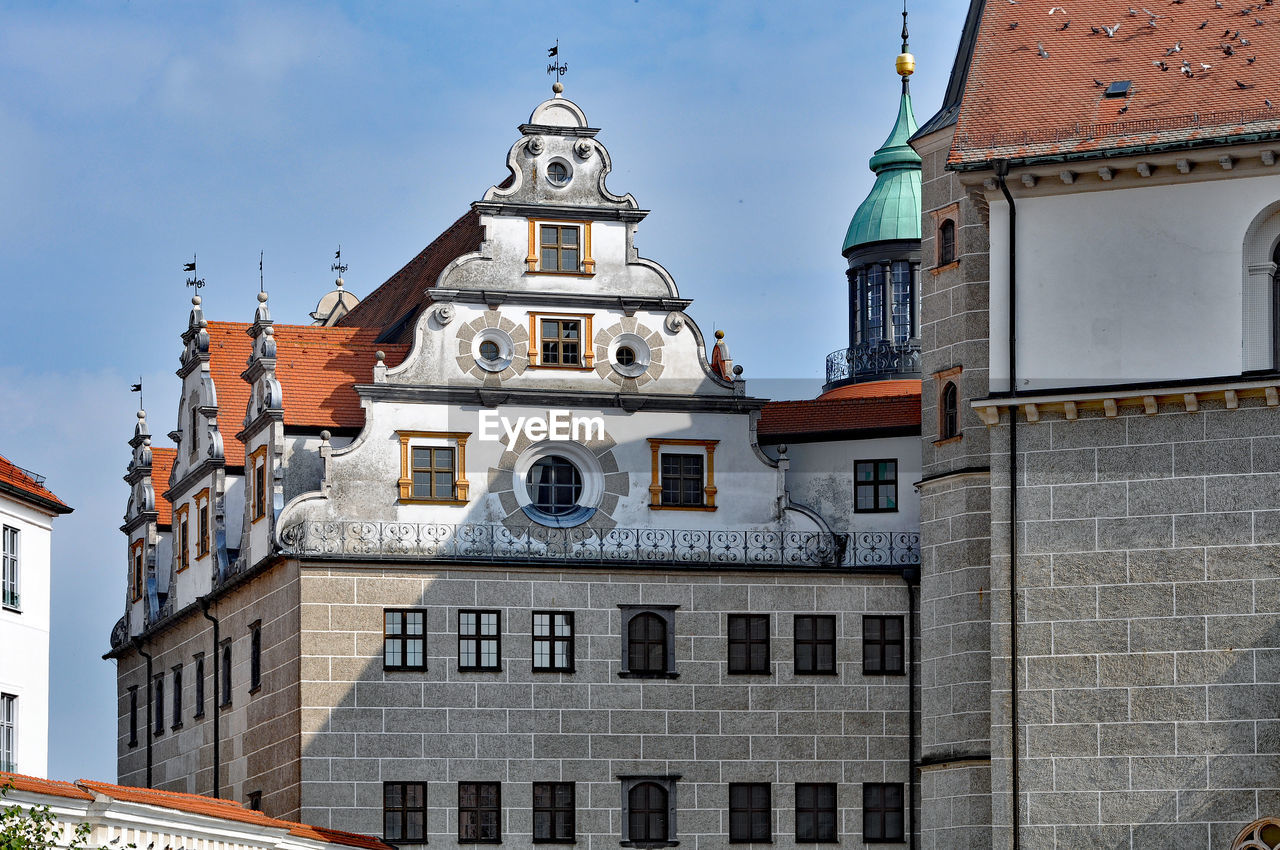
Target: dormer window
{"x": 560, "y": 247}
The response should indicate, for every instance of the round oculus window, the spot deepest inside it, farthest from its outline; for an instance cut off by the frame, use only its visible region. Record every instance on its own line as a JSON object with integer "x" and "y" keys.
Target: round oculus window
{"x": 555, "y": 485}
{"x": 625, "y": 355}
{"x": 489, "y": 350}
{"x": 558, "y": 174}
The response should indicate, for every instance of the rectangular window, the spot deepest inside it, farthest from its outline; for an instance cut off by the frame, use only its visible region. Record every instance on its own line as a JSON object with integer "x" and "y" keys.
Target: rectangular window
{"x": 750, "y": 812}
{"x": 876, "y": 485}
{"x": 553, "y": 813}
{"x": 404, "y": 642}
{"x": 199, "y": 712}
{"x": 479, "y": 813}
{"x": 561, "y": 342}
{"x": 254, "y": 803}
{"x": 815, "y": 644}
{"x": 258, "y": 470}
{"x": 815, "y": 811}
{"x": 748, "y": 643}
{"x": 157, "y": 698}
{"x": 882, "y": 645}
{"x": 901, "y": 289}
{"x": 225, "y": 673}
{"x": 183, "y": 541}
{"x": 255, "y": 656}
{"x": 202, "y": 523}
{"x": 8, "y": 733}
{"x": 553, "y": 641}
{"x": 133, "y": 716}
{"x": 195, "y": 425}
{"x": 432, "y": 470}
{"x": 559, "y": 248}
{"x": 9, "y": 568}
{"x": 177, "y": 697}
{"x": 479, "y": 640}
{"x": 882, "y": 812}
{"x": 873, "y": 305}
{"x": 682, "y": 480}
{"x": 404, "y": 811}
{"x": 137, "y": 570}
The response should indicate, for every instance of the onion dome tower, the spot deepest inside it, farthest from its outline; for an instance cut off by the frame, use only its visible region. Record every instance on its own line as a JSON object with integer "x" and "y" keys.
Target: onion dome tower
{"x": 882, "y": 247}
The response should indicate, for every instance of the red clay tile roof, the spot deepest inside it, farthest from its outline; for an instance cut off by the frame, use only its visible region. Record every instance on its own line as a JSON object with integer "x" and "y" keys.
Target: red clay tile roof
{"x": 399, "y": 300}
{"x": 161, "y": 465}
{"x": 874, "y": 389}
{"x": 18, "y": 482}
{"x": 317, "y": 368}
{"x": 1019, "y": 104}
{"x": 884, "y": 416}
{"x": 193, "y": 803}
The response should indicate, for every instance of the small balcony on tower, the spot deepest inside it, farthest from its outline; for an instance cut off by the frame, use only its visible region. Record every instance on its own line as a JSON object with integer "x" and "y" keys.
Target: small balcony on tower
{"x": 884, "y": 330}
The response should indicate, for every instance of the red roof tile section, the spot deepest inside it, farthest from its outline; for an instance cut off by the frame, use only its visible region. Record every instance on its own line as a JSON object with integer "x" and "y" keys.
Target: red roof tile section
{"x": 873, "y": 389}
{"x": 161, "y": 465}
{"x": 15, "y": 478}
{"x": 1020, "y": 102}
{"x": 403, "y": 294}
{"x": 317, "y": 368}
{"x": 192, "y": 803}
{"x": 795, "y": 419}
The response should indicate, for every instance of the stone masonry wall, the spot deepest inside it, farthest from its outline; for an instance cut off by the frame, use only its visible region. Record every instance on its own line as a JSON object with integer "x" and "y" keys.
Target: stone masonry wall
{"x": 363, "y": 725}
{"x": 1149, "y": 639}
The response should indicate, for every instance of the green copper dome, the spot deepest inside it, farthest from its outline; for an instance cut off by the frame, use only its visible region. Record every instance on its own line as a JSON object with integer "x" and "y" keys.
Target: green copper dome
{"x": 892, "y": 209}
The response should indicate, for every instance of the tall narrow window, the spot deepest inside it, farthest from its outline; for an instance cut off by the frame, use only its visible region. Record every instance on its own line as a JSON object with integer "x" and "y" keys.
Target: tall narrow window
{"x": 882, "y": 644}
{"x": 404, "y": 811}
{"x": 9, "y": 568}
{"x": 157, "y": 698}
{"x": 875, "y": 486}
{"x": 137, "y": 570}
{"x": 559, "y": 248}
{"x": 946, "y": 242}
{"x": 8, "y": 733}
{"x": 647, "y": 813}
{"x": 479, "y": 813}
{"x": 647, "y": 644}
{"x": 202, "y": 523}
{"x": 815, "y": 811}
{"x": 225, "y": 673}
{"x": 553, "y": 641}
{"x": 479, "y": 640}
{"x": 433, "y": 473}
{"x": 950, "y": 408}
{"x": 748, "y": 643}
{"x": 903, "y": 301}
{"x": 882, "y": 812}
{"x": 195, "y": 424}
{"x": 815, "y": 644}
{"x": 750, "y": 812}
{"x": 199, "y": 712}
{"x": 183, "y": 541}
{"x": 404, "y": 641}
{"x": 177, "y": 697}
{"x": 258, "y": 466}
{"x": 255, "y": 656}
{"x": 553, "y": 813}
{"x": 133, "y": 716}
{"x": 873, "y": 304}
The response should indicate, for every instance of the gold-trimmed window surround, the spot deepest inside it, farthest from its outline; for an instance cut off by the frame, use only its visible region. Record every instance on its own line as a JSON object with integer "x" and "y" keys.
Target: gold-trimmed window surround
{"x": 586, "y": 350}
{"x": 456, "y": 440}
{"x": 533, "y": 262}
{"x": 656, "y": 445}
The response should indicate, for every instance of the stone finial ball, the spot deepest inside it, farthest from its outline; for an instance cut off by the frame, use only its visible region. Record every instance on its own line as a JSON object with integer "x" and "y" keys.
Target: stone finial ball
{"x": 142, "y": 414}
{"x": 557, "y": 87}
{"x": 195, "y": 300}
{"x": 719, "y": 334}
{"x": 380, "y": 355}
{"x": 262, "y": 298}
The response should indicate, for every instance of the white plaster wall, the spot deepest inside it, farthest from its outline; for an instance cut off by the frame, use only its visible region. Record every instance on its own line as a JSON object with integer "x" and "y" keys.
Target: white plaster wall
{"x": 24, "y": 636}
{"x": 1126, "y": 284}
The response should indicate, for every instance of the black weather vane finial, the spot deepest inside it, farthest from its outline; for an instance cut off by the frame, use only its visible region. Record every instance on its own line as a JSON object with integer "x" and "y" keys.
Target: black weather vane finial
{"x": 338, "y": 266}
{"x": 904, "y": 26}
{"x": 556, "y": 67}
{"x": 137, "y": 388}
{"x": 262, "y": 286}
{"x": 193, "y": 281}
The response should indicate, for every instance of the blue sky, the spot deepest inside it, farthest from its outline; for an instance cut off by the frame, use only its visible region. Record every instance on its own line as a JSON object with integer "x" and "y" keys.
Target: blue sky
{"x": 132, "y": 135}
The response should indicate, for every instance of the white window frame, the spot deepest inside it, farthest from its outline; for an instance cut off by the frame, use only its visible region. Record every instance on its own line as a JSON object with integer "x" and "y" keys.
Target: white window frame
{"x": 9, "y": 732}
{"x": 12, "y": 560}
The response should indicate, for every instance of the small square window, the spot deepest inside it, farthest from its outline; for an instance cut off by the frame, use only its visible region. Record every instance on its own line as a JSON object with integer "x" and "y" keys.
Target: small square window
{"x": 815, "y": 644}
{"x": 816, "y": 812}
{"x": 750, "y": 812}
{"x": 748, "y": 643}
{"x": 560, "y": 248}
{"x": 404, "y": 641}
{"x": 561, "y": 342}
{"x": 479, "y": 813}
{"x": 404, "y": 811}
{"x": 553, "y": 813}
{"x": 553, "y": 641}
{"x": 479, "y": 640}
{"x": 882, "y": 812}
{"x": 433, "y": 473}
{"x": 882, "y": 645}
{"x": 876, "y": 486}
{"x": 682, "y": 481}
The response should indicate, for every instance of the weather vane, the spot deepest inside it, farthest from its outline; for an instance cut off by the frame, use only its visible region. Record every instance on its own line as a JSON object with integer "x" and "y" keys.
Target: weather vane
{"x": 262, "y": 286}
{"x": 557, "y": 67}
{"x": 193, "y": 281}
{"x": 137, "y": 388}
{"x": 339, "y": 266}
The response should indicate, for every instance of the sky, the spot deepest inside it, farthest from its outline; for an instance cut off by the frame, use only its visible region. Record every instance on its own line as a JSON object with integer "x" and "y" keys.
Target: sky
{"x": 135, "y": 134}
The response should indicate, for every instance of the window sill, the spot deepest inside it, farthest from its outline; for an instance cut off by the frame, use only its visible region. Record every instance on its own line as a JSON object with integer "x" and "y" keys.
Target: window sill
{"x": 199, "y": 716}
{"x": 682, "y": 507}
{"x": 627, "y": 674}
{"x": 768, "y": 840}
{"x": 224, "y": 706}
{"x": 946, "y": 267}
{"x": 565, "y": 670}
{"x": 406, "y": 669}
{"x": 133, "y": 743}
{"x": 15, "y": 609}
{"x": 562, "y": 274}
{"x": 884, "y": 672}
{"x": 749, "y": 672}
{"x": 255, "y": 690}
{"x": 875, "y": 510}
{"x": 479, "y": 670}
{"x": 816, "y": 673}
{"x": 555, "y": 841}
{"x": 200, "y": 556}
{"x": 649, "y": 843}
{"x": 451, "y": 503}
{"x": 565, "y": 368}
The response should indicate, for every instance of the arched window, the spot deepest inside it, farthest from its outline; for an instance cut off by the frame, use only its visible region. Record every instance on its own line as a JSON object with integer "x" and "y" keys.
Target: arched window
{"x": 647, "y": 643}
{"x": 946, "y": 242}
{"x": 647, "y": 812}
{"x": 949, "y": 412}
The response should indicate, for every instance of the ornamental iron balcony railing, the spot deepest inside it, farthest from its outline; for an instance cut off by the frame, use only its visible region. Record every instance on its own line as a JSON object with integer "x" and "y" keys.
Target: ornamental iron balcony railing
{"x": 873, "y": 360}
{"x": 639, "y": 546}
